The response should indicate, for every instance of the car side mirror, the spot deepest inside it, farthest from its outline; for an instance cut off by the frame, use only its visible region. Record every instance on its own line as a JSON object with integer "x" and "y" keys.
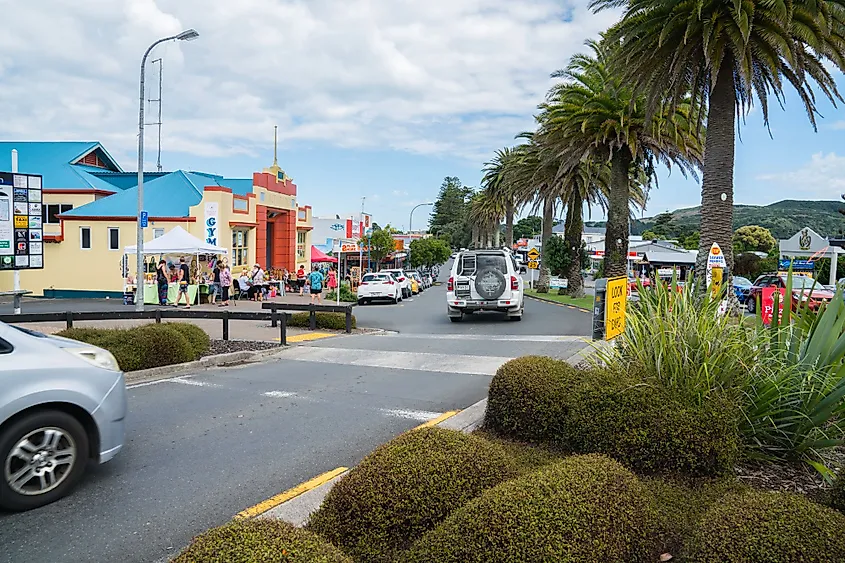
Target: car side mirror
{"x": 523, "y": 270}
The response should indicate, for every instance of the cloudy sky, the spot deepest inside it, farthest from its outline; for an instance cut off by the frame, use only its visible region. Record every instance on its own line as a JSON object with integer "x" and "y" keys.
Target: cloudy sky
{"x": 373, "y": 98}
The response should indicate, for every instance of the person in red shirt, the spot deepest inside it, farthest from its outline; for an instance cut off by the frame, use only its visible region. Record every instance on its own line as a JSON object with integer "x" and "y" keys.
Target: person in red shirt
{"x": 300, "y": 280}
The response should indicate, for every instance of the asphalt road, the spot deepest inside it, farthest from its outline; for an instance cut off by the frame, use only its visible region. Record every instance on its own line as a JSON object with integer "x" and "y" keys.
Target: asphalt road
{"x": 200, "y": 449}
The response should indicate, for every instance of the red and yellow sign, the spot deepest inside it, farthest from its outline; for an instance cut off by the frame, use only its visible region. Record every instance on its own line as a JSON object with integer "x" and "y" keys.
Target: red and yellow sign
{"x": 398, "y": 244}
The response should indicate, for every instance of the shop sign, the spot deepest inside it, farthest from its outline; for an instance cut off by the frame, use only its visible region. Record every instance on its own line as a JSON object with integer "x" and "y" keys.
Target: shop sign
{"x": 20, "y": 221}
{"x": 767, "y": 303}
{"x": 558, "y": 283}
{"x": 398, "y": 244}
{"x": 211, "y": 226}
{"x": 350, "y": 248}
{"x": 614, "y": 312}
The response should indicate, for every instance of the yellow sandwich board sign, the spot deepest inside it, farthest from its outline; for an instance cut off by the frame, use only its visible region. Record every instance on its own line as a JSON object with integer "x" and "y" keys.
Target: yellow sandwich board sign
{"x": 614, "y": 311}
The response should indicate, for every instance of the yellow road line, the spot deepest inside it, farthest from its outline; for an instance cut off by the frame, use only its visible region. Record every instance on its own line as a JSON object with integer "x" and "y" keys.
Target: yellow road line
{"x": 275, "y": 501}
{"x": 438, "y": 420}
{"x": 305, "y": 337}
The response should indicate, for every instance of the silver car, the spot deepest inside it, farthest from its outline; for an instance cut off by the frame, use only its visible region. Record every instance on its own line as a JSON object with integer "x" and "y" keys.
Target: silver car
{"x": 62, "y": 403}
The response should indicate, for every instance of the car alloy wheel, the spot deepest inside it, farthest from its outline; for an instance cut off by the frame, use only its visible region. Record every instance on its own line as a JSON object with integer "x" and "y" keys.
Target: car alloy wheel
{"x": 40, "y": 461}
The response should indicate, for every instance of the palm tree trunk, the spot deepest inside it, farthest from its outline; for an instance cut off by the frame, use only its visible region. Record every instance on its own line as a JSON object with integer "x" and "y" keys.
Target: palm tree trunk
{"x": 572, "y": 235}
{"x": 509, "y": 223}
{"x": 548, "y": 224}
{"x": 474, "y": 236}
{"x": 717, "y": 182}
{"x": 618, "y": 215}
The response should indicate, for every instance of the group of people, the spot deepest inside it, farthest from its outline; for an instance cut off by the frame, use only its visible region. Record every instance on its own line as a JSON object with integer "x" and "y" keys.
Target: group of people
{"x": 252, "y": 282}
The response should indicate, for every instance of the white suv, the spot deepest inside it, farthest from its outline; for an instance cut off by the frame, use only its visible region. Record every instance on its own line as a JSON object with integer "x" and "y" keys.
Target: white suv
{"x": 484, "y": 280}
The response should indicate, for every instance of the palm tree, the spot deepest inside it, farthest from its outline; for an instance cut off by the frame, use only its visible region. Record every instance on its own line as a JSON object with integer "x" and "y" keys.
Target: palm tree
{"x": 499, "y": 178}
{"x": 593, "y": 116}
{"x": 726, "y": 53}
{"x": 486, "y": 211}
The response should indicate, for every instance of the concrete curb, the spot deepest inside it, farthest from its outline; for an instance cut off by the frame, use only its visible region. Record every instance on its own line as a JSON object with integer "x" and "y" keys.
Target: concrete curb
{"x": 298, "y": 510}
{"x": 208, "y": 362}
{"x": 553, "y": 302}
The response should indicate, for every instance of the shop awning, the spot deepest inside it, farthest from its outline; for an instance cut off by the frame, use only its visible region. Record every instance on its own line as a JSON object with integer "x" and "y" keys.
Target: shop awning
{"x": 318, "y": 255}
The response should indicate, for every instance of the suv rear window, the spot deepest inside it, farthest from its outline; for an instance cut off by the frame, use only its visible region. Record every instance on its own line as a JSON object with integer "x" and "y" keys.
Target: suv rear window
{"x": 377, "y": 277}
{"x": 472, "y": 263}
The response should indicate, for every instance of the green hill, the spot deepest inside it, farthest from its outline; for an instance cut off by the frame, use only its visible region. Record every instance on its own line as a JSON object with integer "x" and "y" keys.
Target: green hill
{"x": 783, "y": 219}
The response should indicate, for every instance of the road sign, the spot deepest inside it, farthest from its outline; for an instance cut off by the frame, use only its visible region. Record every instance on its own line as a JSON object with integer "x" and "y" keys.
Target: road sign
{"x": 145, "y": 219}
{"x": 533, "y": 254}
{"x": 614, "y": 312}
{"x": 533, "y": 265}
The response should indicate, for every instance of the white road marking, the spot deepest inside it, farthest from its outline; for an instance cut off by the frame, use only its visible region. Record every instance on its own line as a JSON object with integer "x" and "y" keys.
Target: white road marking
{"x": 422, "y": 416}
{"x": 193, "y": 382}
{"x": 418, "y": 361}
{"x": 279, "y": 394}
{"x": 486, "y": 337}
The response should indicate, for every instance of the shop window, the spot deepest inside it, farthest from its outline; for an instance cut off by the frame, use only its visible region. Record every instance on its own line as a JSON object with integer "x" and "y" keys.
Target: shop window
{"x": 300, "y": 245}
{"x": 240, "y": 247}
{"x": 158, "y": 233}
{"x": 85, "y": 238}
{"x": 114, "y": 238}
{"x": 51, "y": 211}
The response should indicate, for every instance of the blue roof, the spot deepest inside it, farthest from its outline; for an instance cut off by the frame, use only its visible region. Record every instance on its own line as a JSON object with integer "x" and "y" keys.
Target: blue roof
{"x": 126, "y": 180}
{"x": 54, "y": 161}
{"x": 240, "y": 186}
{"x": 171, "y": 195}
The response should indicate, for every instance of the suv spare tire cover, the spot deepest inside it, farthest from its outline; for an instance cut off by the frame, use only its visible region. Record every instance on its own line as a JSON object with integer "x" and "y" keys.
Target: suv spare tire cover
{"x": 490, "y": 284}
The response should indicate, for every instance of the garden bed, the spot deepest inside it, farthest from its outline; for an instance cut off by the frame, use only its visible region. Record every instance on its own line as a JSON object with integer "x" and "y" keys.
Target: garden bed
{"x": 229, "y": 346}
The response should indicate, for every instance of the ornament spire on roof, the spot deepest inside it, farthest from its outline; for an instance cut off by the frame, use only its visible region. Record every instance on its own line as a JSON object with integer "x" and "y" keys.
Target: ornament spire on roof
{"x": 276, "y": 169}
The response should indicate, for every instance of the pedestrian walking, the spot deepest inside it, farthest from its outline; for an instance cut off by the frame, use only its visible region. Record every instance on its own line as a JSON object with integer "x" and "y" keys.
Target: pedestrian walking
{"x": 331, "y": 279}
{"x": 315, "y": 285}
{"x": 225, "y": 284}
{"x": 184, "y": 281}
{"x": 215, "y": 289}
{"x": 161, "y": 279}
{"x": 300, "y": 280}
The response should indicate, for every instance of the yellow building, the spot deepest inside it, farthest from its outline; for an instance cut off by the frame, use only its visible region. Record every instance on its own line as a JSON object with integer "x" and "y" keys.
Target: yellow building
{"x": 90, "y": 207}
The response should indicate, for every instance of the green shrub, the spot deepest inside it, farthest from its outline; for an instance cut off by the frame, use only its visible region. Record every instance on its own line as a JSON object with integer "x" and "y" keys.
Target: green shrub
{"x": 681, "y": 504}
{"x": 328, "y": 321}
{"x": 605, "y": 411}
{"x": 835, "y": 497}
{"x": 406, "y": 487}
{"x": 260, "y": 541}
{"x": 770, "y": 528}
{"x": 346, "y": 294}
{"x": 141, "y": 347}
{"x": 198, "y": 339}
{"x": 584, "y": 508}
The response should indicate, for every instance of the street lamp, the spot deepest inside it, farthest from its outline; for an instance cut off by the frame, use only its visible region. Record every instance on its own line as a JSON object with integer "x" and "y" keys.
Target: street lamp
{"x": 411, "y": 218}
{"x": 187, "y": 35}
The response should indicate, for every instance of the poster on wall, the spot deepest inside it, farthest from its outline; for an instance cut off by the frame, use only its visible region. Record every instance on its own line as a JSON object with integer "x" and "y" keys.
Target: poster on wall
{"x": 211, "y": 229}
{"x": 20, "y": 222}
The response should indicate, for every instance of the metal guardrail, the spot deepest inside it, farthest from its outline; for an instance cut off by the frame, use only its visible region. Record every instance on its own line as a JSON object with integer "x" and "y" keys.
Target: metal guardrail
{"x": 313, "y": 310}
{"x": 69, "y": 317}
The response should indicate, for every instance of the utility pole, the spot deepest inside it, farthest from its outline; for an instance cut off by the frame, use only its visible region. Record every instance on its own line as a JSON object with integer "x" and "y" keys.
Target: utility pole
{"x": 158, "y": 101}
{"x": 361, "y": 243}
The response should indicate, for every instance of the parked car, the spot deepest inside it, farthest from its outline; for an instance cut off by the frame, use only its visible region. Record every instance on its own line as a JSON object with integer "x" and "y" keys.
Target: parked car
{"x": 804, "y": 288}
{"x": 419, "y": 279}
{"x": 484, "y": 280}
{"x": 741, "y": 288}
{"x": 633, "y": 282}
{"x": 404, "y": 281}
{"x": 379, "y": 286}
{"x": 415, "y": 285}
{"x": 62, "y": 403}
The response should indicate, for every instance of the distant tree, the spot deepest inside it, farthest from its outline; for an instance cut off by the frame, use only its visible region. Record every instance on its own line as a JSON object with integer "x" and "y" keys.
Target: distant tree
{"x": 450, "y": 215}
{"x": 429, "y": 252}
{"x": 527, "y": 227}
{"x": 691, "y": 241}
{"x": 753, "y": 238}
{"x": 664, "y": 226}
{"x": 650, "y": 235}
{"x": 556, "y": 256}
{"x": 380, "y": 243}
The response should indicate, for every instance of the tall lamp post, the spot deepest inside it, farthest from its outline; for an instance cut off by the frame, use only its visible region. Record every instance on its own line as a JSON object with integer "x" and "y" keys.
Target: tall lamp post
{"x": 187, "y": 35}
{"x": 411, "y": 225}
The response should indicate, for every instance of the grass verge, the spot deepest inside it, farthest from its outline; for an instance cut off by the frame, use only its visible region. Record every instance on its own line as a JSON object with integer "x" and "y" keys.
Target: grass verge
{"x": 579, "y": 302}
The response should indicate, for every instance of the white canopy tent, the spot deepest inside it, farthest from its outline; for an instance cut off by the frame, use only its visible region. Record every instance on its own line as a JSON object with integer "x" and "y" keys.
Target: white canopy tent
{"x": 177, "y": 241}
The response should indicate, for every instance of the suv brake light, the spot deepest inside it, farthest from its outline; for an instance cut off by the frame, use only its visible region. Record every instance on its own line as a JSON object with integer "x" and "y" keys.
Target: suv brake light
{"x": 450, "y": 285}
{"x": 514, "y": 284}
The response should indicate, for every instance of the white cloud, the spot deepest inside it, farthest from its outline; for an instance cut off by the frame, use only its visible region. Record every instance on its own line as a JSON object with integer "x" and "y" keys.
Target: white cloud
{"x": 823, "y": 177}
{"x": 435, "y": 77}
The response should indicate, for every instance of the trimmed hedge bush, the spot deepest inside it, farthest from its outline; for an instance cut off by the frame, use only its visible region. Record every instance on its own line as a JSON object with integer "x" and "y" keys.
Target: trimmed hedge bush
{"x": 540, "y": 399}
{"x": 260, "y": 541}
{"x": 584, "y": 508}
{"x": 141, "y": 347}
{"x": 328, "y": 321}
{"x": 198, "y": 338}
{"x": 406, "y": 487}
{"x": 770, "y": 528}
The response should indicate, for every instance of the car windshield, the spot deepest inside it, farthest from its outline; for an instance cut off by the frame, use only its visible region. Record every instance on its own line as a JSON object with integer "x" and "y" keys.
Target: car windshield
{"x": 739, "y": 280}
{"x": 29, "y": 332}
{"x": 803, "y": 282}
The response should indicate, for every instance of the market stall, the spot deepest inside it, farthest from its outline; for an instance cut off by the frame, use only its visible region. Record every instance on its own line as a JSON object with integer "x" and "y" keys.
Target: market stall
{"x": 173, "y": 245}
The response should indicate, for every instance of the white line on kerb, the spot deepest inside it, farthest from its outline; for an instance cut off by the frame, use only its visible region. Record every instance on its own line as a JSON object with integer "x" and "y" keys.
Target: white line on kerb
{"x": 422, "y": 416}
